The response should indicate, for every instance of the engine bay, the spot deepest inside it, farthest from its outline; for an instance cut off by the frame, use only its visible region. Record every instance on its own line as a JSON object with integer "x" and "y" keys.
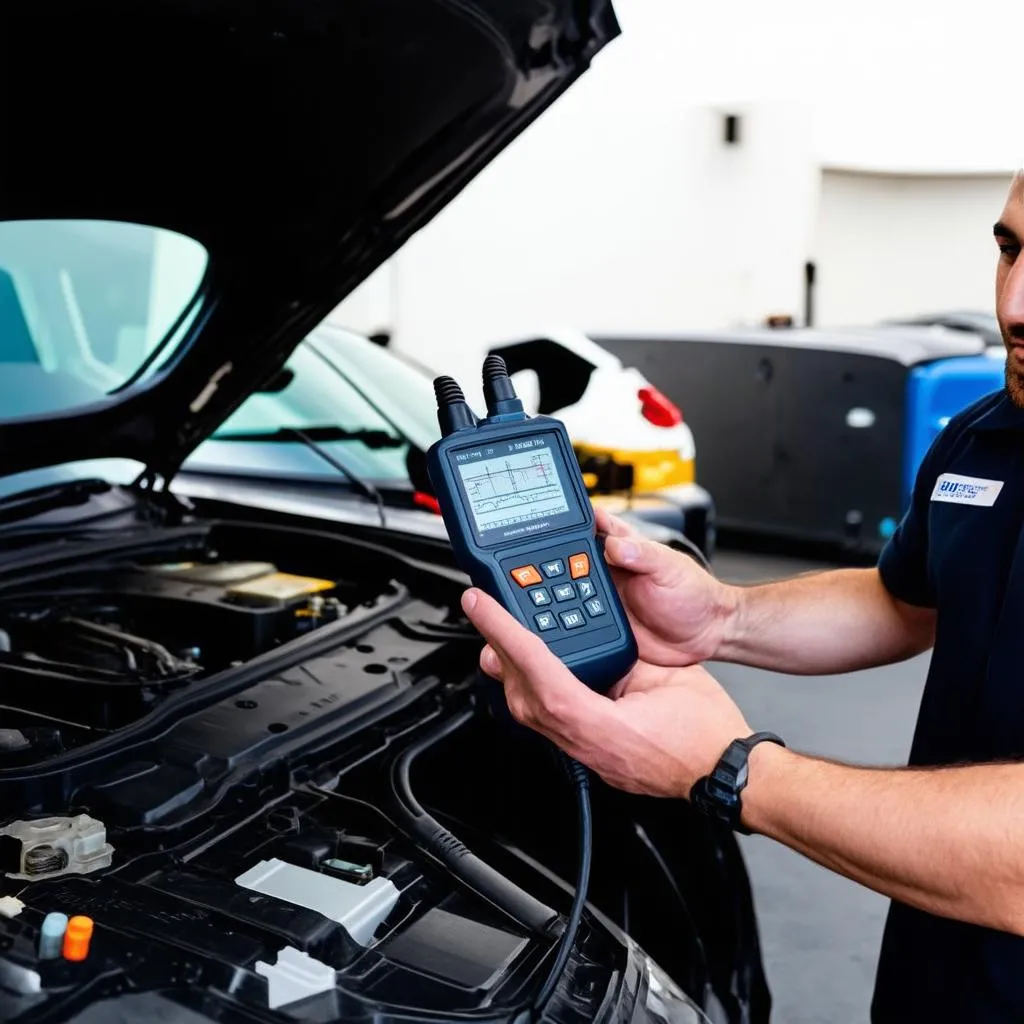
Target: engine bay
{"x": 96, "y": 649}
{"x": 317, "y": 909}
{"x": 198, "y": 751}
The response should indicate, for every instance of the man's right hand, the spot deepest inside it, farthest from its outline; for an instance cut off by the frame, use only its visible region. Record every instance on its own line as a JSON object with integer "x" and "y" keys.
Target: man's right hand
{"x": 679, "y": 612}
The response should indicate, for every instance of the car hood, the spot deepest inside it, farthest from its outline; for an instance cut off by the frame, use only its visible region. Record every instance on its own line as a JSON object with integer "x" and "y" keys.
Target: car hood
{"x": 301, "y": 142}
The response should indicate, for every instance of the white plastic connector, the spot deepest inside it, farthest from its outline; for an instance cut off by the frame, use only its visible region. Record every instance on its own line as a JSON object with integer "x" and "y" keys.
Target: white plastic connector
{"x": 295, "y": 976}
{"x": 10, "y": 906}
{"x": 63, "y": 846}
{"x": 359, "y": 908}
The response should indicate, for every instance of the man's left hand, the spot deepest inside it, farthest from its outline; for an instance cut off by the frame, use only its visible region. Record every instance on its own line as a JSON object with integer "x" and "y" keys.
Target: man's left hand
{"x": 657, "y": 732}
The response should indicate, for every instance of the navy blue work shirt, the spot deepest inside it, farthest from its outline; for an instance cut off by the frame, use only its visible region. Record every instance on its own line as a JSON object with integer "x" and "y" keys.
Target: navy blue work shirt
{"x": 960, "y": 550}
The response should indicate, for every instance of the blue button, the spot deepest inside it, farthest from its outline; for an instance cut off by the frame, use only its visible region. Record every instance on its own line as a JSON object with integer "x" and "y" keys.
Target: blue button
{"x": 564, "y": 592}
{"x": 572, "y": 619}
{"x": 595, "y": 606}
{"x": 586, "y": 589}
{"x": 553, "y": 568}
{"x": 545, "y": 621}
{"x": 540, "y": 596}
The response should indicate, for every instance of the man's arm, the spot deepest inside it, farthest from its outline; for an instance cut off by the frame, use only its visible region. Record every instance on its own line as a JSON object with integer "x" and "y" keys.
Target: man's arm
{"x": 849, "y": 619}
{"x": 823, "y": 623}
{"x": 817, "y": 624}
{"x": 947, "y": 840}
{"x": 950, "y": 841}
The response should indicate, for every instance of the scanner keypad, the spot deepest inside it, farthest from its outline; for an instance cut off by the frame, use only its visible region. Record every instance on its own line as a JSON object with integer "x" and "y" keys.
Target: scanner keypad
{"x": 569, "y": 603}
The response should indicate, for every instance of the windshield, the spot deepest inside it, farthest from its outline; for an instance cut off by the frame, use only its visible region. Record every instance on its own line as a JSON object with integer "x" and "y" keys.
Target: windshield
{"x": 85, "y": 306}
{"x": 403, "y": 393}
{"x": 362, "y": 404}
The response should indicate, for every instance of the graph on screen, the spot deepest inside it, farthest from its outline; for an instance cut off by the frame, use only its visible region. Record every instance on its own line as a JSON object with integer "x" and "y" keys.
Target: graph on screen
{"x": 513, "y": 488}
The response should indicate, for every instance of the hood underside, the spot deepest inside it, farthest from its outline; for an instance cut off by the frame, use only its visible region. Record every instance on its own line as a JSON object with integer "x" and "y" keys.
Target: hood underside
{"x": 300, "y": 142}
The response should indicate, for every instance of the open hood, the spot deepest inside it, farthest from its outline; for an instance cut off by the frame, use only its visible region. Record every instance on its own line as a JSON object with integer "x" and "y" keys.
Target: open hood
{"x": 299, "y": 142}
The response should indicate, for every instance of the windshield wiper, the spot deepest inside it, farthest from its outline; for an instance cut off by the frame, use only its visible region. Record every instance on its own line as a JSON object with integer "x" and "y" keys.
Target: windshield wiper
{"x": 366, "y": 488}
{"x": 26, "y": 504}
{"x": 319, "y": 435}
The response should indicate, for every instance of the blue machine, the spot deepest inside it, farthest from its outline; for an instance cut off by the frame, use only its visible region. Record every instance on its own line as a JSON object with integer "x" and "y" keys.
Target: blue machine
{"x": 522, "y": 526}
{"x": 936, "y": 392}
{"x": 811, "y": 434}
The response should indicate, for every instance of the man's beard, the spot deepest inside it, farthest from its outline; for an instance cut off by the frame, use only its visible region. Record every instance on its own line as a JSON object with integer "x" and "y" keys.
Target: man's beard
{"x": 1014, "y": 384}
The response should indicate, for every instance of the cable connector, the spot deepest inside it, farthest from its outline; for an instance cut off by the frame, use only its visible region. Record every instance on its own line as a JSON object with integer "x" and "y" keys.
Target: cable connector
{"x": 453, "y": 411}
{"x": 499, "y": 392}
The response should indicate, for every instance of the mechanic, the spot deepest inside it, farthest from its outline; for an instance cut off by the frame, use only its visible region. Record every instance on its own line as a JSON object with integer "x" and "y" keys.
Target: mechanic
{"x": 944, "y": 837}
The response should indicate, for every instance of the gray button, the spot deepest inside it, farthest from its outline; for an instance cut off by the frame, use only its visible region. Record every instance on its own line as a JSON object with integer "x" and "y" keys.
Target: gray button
{"x": 545, "y": 621}
{"x": 586, "y": 589}
{"x": 540, "y": 596}
{"x": 555, "y": 568}
{"x": 564, "y": 592}
{"x": 595, "y": 606}
{"x": 572, "y": 619}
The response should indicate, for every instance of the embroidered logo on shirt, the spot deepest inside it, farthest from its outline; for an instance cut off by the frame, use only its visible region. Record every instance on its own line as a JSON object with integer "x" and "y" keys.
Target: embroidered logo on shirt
{"x": 966, "y": 490}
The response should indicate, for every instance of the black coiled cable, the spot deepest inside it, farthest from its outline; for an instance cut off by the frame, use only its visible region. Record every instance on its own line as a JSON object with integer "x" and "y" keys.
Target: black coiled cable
{"x": 518, "y": 904}
{"x": 578, "y": 775}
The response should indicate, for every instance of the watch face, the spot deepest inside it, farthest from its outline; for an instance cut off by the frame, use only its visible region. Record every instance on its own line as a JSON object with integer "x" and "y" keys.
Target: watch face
{"x": 722, "y": 794}
{"x": 718, "y": 802}
{"x": 718, "y": 795}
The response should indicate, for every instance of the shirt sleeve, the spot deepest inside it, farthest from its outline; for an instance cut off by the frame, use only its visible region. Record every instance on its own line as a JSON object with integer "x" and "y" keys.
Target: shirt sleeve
{"x": 903, "y": 564}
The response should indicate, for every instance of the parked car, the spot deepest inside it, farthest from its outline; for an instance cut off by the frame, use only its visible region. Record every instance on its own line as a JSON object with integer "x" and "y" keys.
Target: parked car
{"x": 237, "y": 744}
{"x": 815, "y": 435}
{"x": 348, "y": 415}
{"x": 971, "y": 321}
{"x": 636, "y": 451}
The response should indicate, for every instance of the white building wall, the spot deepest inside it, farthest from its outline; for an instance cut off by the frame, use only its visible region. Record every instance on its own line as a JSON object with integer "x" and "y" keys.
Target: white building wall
{"x": 890, "y": 246}
{"x": 620, "y": 208}
{"x": 648, "y": 227}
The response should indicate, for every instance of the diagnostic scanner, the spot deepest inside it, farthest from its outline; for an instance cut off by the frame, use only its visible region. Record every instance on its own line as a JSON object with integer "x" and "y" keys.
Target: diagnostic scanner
{"x": 522, "y": 526}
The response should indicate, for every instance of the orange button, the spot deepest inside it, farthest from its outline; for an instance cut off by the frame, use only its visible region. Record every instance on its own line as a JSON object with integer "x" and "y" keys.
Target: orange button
{"x": 579, "y": 565}
{"x": 76, "y": 938}
{"x": 526, "y": 576}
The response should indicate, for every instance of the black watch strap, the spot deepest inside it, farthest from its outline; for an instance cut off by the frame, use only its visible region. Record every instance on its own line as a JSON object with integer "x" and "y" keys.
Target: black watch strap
{"x": 718, "y": 795}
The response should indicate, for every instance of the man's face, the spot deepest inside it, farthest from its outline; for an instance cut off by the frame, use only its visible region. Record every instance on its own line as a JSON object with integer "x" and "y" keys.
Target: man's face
{"x": 1009, "y": 232}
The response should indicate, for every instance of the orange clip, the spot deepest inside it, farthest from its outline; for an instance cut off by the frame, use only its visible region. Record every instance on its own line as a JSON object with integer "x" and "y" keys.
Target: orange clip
{"x": 76, "y": 938}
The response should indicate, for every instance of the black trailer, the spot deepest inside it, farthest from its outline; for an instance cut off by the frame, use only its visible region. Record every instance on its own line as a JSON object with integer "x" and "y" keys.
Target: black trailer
{"x": 811, "y": 434}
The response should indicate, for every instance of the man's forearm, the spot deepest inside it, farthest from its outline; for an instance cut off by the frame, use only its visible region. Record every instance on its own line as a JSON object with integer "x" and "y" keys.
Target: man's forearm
{"x": 949, "y": 841}
{"x": 823, "y": 623}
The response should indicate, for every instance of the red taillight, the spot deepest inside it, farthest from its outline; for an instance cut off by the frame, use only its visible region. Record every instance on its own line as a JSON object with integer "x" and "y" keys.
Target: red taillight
{"x": 427, "y": 501}
{"x": 658, "y": 409}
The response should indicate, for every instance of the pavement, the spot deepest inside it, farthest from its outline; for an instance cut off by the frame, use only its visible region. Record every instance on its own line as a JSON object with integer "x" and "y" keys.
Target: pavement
{"x": 820, "y": 933}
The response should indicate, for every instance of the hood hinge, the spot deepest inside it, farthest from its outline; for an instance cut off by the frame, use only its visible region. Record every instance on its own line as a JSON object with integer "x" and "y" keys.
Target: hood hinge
{"x": 167, "y": 508}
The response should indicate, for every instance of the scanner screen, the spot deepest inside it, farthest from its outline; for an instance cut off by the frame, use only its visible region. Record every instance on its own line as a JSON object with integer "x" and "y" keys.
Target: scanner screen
{"x": 513, "y": 487}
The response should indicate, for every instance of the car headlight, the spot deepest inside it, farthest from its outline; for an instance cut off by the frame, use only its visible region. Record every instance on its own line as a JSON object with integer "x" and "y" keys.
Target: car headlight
{"x": 664, "y": 1002}
{"x": 648, "y": 995}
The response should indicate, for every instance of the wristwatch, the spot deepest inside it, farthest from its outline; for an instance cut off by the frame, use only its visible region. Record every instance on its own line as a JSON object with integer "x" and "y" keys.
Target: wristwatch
{"x": 718, "y": 795}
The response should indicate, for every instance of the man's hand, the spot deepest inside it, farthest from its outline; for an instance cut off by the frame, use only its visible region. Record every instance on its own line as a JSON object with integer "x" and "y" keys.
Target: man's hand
{"x": 679, "y": 611}
{"x": 659, "y": 730}
{"x": 682, "y": 615}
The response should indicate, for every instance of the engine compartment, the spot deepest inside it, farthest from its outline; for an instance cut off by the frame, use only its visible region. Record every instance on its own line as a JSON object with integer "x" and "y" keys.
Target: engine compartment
{"x": 96, "y": 648}
{"x": 238, "y": 841}
{"x": 317, "y": 908}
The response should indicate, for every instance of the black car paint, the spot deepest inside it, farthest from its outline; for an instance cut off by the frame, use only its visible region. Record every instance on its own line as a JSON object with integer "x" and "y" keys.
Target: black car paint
{"x": 331, "y": 195}
{"x": 272, "y": 96}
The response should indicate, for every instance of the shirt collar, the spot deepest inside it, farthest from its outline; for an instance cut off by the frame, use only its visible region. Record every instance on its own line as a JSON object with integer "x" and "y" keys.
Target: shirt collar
{"x": 1003, "y": 415}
